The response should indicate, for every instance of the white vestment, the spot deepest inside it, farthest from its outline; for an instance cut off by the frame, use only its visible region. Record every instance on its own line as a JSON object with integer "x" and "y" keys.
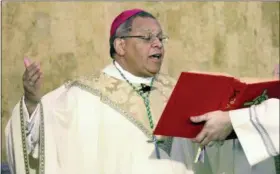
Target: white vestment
{"x": 257, "y": 129}
{"x": 85, "y": 132}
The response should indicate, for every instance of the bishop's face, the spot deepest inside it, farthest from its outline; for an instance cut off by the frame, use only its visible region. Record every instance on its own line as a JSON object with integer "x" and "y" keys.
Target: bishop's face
{"x": 143, "y": 49}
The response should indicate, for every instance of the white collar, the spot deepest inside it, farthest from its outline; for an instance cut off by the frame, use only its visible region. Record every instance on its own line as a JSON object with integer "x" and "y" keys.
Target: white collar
{"x": 111, "y": 70}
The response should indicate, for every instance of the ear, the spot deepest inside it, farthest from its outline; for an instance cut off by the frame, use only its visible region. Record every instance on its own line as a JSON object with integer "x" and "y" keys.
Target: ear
{"x": 119, "y": 45}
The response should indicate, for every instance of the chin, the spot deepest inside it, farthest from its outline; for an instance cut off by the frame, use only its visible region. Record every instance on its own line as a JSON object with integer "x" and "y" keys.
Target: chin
{"x": 154, "y": 71}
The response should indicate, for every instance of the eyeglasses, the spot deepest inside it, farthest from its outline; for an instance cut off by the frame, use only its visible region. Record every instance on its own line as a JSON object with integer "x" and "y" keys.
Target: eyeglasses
{"x": 150, "y": 38}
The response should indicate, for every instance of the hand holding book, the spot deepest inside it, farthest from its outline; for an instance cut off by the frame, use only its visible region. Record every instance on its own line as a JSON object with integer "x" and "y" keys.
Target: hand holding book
{"x": 198, "y": 94}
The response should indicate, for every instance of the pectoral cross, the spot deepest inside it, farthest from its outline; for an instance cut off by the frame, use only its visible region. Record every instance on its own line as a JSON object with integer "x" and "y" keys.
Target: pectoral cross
{"x": 145, "y": 88}
{"x": 156, "y": 142}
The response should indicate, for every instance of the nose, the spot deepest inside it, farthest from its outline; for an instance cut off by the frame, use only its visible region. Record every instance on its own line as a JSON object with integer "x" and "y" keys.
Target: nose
{"x": 157, "y": 43}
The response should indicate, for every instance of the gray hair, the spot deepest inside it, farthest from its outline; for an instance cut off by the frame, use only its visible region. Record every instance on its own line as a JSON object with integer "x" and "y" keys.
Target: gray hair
{"x": 125, "y": 28}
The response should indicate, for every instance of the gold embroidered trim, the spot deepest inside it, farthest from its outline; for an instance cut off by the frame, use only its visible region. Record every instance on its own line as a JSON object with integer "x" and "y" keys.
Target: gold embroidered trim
{"x": 165, "y": 146}
{"x": 41, "y": 140}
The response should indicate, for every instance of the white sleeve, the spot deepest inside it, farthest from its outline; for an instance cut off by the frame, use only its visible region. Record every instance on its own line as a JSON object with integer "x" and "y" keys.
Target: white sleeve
{"x": 13, "y": 128}
{"x": 257, "y": 129}
{"x": 9, "y": 147}
{"x": 32, "y": 133}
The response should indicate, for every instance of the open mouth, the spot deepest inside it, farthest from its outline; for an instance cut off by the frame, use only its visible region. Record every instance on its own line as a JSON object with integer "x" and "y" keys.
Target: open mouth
{"x": 156, "y": 56}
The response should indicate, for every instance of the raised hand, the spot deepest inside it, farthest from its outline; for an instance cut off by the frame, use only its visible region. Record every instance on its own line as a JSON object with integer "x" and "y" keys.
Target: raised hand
{"x": 32, "y": 81}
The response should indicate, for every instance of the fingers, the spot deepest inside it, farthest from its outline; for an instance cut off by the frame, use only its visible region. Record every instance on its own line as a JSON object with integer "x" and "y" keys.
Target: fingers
{"x": 35, "y": 78}
{"x": 198, "y": 119}
{"x": 38, "y": 80}
{"x": 27, "y": 62}
{"x": 31, "y": 75}
{"x": 201, "y": 136}
{"x": 32, "y": 70}
{"x": 30, "y": 81}
{"x": 31, "y": 86}
{"x": 205, "y": 141}
{"x": 34, "y": 74}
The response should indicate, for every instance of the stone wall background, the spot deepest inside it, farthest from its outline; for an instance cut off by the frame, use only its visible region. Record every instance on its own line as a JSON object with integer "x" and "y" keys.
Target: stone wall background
{"x": 71, "y": 38}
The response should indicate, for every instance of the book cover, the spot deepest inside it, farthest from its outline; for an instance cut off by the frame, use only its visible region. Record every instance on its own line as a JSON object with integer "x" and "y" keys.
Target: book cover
{"x": 196, "y": 94}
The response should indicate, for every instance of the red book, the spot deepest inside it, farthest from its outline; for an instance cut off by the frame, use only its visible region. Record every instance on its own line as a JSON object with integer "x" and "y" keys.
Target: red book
{"x": 196, "y": 94}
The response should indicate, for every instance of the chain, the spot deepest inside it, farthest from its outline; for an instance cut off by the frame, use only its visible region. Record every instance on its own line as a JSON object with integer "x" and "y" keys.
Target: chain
{"x": 41, "y": 141}
{"x": 148, "y": 109}
{"x": 23, "y": 139}
{"x": 145, "y": 98}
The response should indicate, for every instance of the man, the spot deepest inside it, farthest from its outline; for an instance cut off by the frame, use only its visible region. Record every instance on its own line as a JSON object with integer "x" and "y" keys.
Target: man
{"x": 103, "y": 123}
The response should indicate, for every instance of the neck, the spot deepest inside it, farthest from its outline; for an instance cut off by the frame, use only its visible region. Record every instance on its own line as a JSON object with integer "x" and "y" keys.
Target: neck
{"x": 125, "y": 67}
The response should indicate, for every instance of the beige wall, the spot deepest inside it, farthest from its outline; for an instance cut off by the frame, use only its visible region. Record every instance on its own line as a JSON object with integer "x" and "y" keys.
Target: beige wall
{"x": 71, "y": 38}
